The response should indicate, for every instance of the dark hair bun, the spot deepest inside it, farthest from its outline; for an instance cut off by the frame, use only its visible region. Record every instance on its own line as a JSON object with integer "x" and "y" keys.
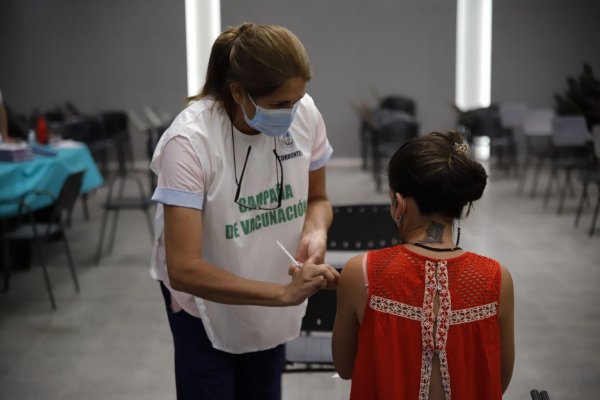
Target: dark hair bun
{"x": 438, "y": 172}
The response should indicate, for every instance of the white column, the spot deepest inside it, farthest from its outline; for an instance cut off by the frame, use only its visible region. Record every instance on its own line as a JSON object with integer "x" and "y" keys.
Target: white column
{"x": 202, "y": 26}
{"x": 473, "y": 53}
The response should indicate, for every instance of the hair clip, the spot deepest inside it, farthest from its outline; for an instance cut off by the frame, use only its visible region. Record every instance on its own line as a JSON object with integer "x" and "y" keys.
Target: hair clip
{"x": 461, "y": 149}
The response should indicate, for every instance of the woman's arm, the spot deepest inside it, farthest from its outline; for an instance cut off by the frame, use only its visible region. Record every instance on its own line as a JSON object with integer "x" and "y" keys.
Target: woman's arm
{"x": 507, "y": 327}
{"x": 313, "y": 241}
{"x": 351, "y": 300}
{"x": 190, "y": 273}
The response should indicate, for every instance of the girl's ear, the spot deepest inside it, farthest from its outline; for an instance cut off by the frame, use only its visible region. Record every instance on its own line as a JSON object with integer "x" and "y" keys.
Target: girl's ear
{"x": 400, "y": 204}
{"x": 237, "y": 92}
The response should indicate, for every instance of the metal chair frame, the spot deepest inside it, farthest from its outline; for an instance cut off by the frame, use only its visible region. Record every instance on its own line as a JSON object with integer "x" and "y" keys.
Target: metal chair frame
{"x": 37, "y": 231}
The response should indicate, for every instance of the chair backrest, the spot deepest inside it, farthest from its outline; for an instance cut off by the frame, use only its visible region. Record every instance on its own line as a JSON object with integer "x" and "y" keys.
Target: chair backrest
{"x": 398, "y": 132}
{"x": 69, "y": 193}
{"x": 398, "y": 103}
{"x": 83, "y": 128}
{"x": 116, "y": 123}
{"x": 77, "y": 128}
{"x": 538, "y": 122}
{"x": 361, "y": 227}
{"x": 570, "y": 131}
{"x": 512, "y": 115}
{"x": 357, "y": 227}
{"x": 481, "y": 122}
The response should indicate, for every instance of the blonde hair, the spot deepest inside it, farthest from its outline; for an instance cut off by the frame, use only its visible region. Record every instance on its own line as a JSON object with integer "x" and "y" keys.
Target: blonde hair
{"x": 260, "y": 58}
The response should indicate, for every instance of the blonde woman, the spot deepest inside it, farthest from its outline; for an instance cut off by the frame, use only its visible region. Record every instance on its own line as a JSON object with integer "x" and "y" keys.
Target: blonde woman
{"x": 243, "y": 166}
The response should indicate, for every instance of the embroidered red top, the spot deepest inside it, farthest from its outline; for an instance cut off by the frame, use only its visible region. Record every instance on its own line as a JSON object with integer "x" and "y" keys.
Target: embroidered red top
{"x": 396, "y": 338}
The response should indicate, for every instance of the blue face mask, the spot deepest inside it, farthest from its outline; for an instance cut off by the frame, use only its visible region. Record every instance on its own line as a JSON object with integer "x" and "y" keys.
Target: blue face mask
{"x": 274, "y": 122}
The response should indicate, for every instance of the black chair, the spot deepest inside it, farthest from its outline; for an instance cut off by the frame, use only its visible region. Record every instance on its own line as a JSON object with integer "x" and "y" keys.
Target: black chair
{"x": 370, "y": 120}
{"x": 399, "y": 103}
{"x": 539, "y": 395}
{"x": 117, "y": 200}
{"x": 512, "y": 116}
{"x": 394, "y": 128}
{"x": 570, "y": 152}
{"x": 536, "y": 136}
{"x": 89, "y": 129}
{"x": 115, "y": 126}
{"x": 487, "y": 121}
{"x": 591, "y": 176}
{"x": 355, "y": 229}
{"x": 36, "y": 232}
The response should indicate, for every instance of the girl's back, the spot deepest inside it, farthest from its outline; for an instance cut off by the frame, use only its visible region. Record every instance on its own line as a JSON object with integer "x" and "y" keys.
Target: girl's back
{"x": 430, "y": 328}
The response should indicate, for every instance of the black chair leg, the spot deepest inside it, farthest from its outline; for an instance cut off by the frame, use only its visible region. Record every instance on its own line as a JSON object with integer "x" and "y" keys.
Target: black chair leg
{"x": 563, "y": 192}
{"x": 84, "y": 205}
{"x": 523, "y": 172}
{"x": 7, "y": 264}
{"x": 595, "y": 216}
{"x": 113, "y": 231}
{"x": 551, "y": 179}
{"x": 38, "y": 247}
{"x": 101, "y": 238}
{"x": 584, "y": 194}
{"x": 536, "y": 177}
{"x": 71, "y": 263}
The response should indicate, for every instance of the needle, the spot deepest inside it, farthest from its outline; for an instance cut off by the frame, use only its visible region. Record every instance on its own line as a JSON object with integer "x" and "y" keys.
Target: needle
{"x": 287, "y": 253}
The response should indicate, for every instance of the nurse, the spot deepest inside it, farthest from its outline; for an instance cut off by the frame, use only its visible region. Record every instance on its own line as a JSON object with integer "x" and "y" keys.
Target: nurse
{"x": 240, "y": 168}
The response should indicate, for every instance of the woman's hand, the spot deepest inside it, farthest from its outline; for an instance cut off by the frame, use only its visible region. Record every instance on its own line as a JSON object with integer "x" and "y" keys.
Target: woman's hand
{"x": 312, "y": 246}
{"x": 308, "y": 279}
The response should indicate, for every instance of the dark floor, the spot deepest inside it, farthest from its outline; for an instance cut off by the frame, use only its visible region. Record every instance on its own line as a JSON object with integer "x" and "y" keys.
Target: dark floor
{"x": 112, "y": 341}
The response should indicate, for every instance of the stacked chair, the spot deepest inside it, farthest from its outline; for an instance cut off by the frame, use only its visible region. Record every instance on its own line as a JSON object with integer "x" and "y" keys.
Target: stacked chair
{"x": 570, "y": 152}
{"x": 536, "y": 137}
{"x": 590, "y": 176}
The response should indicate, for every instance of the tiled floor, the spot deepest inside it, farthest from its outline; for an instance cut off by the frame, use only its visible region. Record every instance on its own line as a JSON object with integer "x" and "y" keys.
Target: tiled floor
{"x": 112, "y": 341}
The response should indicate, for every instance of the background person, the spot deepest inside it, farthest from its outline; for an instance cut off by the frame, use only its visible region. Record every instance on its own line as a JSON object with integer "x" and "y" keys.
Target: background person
{"x": 426, "y": 319}
{"x": 240, "y": 168}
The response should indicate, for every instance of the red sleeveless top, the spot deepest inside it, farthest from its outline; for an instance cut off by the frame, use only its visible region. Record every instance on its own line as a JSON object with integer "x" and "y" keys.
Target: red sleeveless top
{"x": 396, "y": 341}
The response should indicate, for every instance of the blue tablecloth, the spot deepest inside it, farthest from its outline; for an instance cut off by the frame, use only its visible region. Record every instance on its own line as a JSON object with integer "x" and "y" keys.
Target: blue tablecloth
{"x": 45, "y": 173}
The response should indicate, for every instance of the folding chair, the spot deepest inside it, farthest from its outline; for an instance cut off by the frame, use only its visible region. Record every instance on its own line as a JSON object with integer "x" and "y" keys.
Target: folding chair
{"x": 38, "y": 231}
{"x": 355, "y": 229}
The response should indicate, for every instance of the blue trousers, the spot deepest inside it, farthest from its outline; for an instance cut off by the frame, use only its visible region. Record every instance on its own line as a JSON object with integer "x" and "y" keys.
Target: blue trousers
{"x": 205, "y": 373}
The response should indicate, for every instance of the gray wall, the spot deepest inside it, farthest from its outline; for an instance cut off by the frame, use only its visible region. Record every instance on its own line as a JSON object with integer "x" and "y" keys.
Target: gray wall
{"x": 126, "y": 54}
{"x": 538, "y": 43}
{"x": 100, "y": 55}
{"x": 358, "y": 48}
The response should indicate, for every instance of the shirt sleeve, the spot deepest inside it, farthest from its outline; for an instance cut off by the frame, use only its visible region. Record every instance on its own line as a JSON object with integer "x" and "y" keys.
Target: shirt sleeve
{"x": 322, "y": 150}
{"x": 180, "y": 177}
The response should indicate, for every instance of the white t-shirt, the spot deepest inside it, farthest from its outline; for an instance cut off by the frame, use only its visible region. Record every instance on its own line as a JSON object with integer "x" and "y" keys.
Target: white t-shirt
{"x": 195, "y": 167}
